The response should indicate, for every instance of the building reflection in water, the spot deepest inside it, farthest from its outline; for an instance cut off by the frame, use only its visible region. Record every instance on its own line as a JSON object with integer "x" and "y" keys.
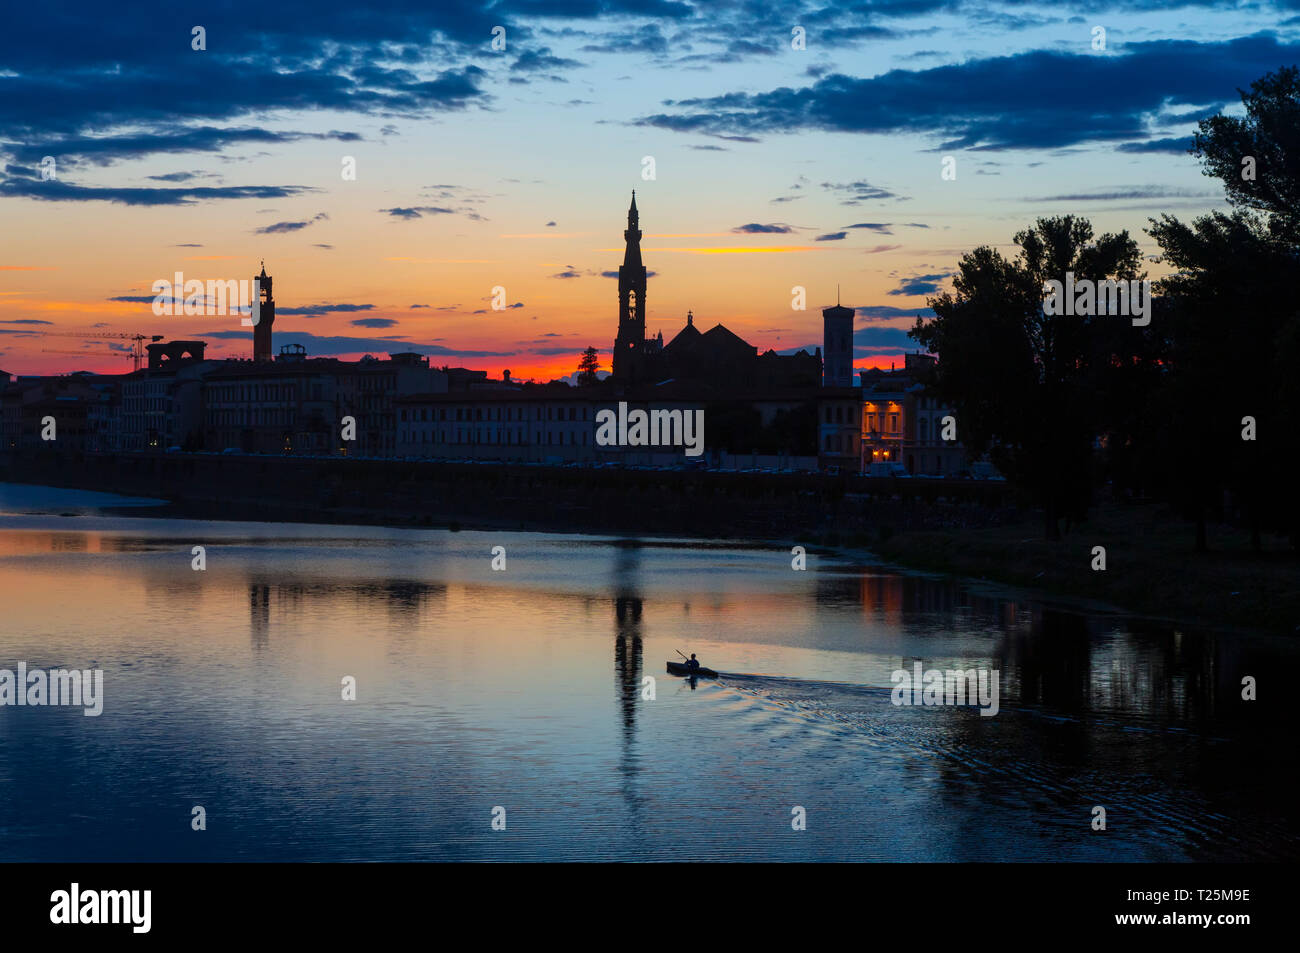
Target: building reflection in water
{"x": 403, "y": 600}
{"x": 259, "y": 614}
{"x": 628, "y": 667}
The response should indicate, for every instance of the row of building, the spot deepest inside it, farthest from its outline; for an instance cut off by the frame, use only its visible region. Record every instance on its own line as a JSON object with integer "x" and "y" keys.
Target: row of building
{"x": 798, "y": 410}
{"x": 403, "y": 407}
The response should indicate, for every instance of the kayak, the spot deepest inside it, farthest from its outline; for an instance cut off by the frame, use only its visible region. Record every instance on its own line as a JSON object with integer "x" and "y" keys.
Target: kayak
{"x": 681, "y": 668}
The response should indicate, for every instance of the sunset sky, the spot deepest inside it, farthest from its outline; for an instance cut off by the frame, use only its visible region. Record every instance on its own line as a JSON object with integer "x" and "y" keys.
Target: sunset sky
{"x": 475, "y": 167}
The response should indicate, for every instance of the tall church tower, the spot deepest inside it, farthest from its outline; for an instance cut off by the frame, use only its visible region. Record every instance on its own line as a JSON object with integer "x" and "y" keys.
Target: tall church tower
{"x": 837, "y": 346}
{"x": 266, "y": 318}
{"x": 630, "y": 342}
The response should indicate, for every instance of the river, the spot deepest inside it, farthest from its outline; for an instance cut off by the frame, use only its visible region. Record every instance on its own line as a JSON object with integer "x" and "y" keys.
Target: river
{"x": 520, "y": 696}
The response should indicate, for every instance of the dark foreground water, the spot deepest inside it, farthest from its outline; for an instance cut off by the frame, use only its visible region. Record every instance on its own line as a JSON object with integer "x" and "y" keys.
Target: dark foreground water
{"x": 524, "y": 690}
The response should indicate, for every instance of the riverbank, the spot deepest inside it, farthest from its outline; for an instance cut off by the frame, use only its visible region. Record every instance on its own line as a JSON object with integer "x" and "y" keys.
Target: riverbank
{"x": 1152, "y": 568}
{"x": 965, "y": 529}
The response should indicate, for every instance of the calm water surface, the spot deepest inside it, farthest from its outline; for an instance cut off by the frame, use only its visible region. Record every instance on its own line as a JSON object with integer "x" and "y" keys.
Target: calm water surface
{"x": 524, "y": 689}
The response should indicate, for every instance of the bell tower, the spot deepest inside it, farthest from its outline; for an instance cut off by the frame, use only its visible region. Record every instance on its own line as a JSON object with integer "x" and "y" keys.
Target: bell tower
{"x": 266, "y": 317}
{"x": 629, "y": 344}
{"x": 837, "y": 346}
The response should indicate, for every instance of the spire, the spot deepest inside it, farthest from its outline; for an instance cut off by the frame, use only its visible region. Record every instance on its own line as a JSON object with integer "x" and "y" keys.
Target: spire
{"x": 263, "y": 274}
{"x": 690, "y": 319}
{"x": 632, "y": 235}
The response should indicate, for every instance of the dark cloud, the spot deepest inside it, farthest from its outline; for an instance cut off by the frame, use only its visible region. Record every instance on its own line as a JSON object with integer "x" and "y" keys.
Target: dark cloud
{"x": 180, "y": 176}
{"x": 541, "y": 59}
{"x": 280, "y": 228}
{"x": 1174, "y": 146}
{"x": 59, "y": 191}
{"x": 644, "y": 39}
{"x": 869, "y": 341}
{"x": 316, "y": 310}
{"x": 832, "y": 237}
{"x": 855, "y": 193}
{"x": 754, "y": 228}
{"x": 881, "y": 228}
{"x": 920, "y": 285}
{"x": 104, "y": 150}
{"x": 374, "y": 323}
{"x": 1128, "y": 194}
{"x": 329, "y": 345}
{"x": 887, "y": 312}
{"x": 418, "y": 211}
{"x": 1039, "y": 99}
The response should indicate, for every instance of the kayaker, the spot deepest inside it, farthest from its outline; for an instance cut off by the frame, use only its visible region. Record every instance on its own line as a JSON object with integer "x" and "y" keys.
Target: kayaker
{"x": 693, "y": 664}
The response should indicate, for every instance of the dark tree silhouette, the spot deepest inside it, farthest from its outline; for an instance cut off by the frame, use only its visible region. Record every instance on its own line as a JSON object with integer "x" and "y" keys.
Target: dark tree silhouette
{"x": 587, "y": 367}
{"x": 1232, "y": 317}
{"x": 1257, "y": 156}
{"x": 1029, "y": 387}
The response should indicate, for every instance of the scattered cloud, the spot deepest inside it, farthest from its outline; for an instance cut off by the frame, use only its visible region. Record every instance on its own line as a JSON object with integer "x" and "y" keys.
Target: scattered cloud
{"x": 920, "y": 284}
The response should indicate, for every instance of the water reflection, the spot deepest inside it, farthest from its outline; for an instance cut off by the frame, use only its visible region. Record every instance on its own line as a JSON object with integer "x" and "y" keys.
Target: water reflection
{"x": 477, "y": 685}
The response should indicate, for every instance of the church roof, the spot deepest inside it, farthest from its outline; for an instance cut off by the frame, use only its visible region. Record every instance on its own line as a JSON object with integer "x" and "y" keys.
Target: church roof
{"x": 684, "y": 338}
{"x": 720, "y": 336}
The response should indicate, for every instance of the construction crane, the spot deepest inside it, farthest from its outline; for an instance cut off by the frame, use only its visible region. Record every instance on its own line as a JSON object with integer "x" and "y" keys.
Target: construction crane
{"x": 137, "y": 340}
{"x": 94, "y": 355}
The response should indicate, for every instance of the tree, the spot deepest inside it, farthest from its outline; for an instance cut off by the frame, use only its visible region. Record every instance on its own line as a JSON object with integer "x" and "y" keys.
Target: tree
{"x": 1257, "y": 156}
{"x": 1028, "y": 387}
{"x": 588, "y": 366}
{"x": 1233, "y": 318}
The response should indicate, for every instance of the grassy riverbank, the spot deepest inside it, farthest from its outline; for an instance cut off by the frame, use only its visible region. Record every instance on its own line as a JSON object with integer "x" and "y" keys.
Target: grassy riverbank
{"x": 1152, "y": 568}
